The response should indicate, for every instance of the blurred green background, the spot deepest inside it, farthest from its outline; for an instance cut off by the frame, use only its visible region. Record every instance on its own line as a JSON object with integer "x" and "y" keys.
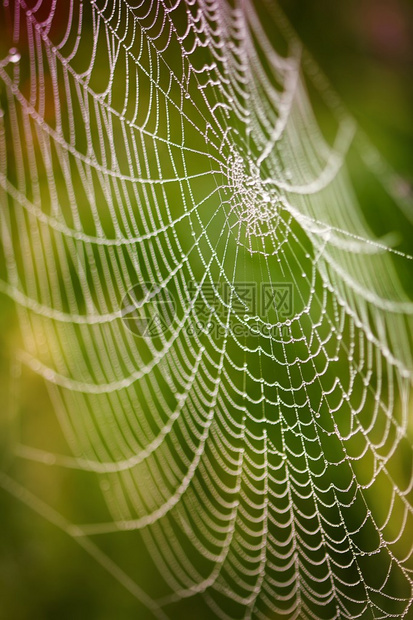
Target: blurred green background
{"x": 365, "y": 49}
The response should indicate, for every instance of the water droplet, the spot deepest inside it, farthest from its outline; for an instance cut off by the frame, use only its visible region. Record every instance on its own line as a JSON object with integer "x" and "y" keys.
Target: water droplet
{"x": 104, "y": 485}
{"x": 14, "y": 55}
{"x": 187, "y": 95}
{"x": 49, "y": 459}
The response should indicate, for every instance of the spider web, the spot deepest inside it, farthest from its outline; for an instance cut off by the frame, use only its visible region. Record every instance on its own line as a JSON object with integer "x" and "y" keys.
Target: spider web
{"x": 195, "y": 146}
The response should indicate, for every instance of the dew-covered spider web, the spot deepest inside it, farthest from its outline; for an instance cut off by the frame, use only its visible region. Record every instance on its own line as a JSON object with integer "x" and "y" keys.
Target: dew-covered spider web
{"x": 225, "y": 343}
